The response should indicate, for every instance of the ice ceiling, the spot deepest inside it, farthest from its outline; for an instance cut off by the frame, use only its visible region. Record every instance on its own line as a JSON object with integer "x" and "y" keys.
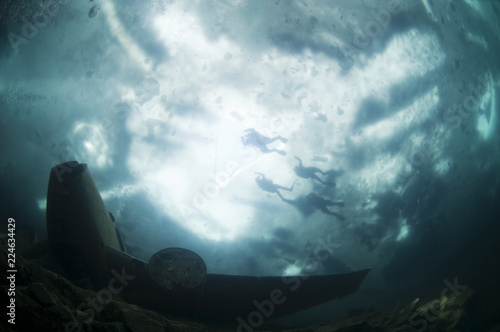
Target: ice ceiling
{"x": 160, "y": 97}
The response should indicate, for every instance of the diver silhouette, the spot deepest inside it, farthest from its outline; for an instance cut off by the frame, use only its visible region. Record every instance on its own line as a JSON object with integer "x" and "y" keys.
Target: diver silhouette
{"x": 310, "y": 173}
{"x": 252, "y": 137}
{"x": 307, "y": 203}
{"x": 268, "y": 185}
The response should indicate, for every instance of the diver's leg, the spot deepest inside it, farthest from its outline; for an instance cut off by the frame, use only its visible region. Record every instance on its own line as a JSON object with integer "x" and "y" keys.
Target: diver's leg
{"x": 282, "y": 139}
{"x": 293, "y": 185}
{"x": 270, "y": 140}
{"x": 330, "y": 203}
{"x": 316, "y": 170}
{"x": 331, "y": 172}
{"x": 330, "y": 184}
{"x": 326, "y": 211}
{"x": 265, "y": 140}
{"x": 281, "y": 152}
{"x": 315, "y": 177}
{"x": 284, "y": 188}
{"x": 263, "y": 148}
{"x": 338, "y": 216}
{"x": 279, "y": 194}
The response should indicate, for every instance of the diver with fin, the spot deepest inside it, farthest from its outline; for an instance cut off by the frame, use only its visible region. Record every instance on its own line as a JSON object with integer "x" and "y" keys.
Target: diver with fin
{"x": 307, "y": 204}
{"x": 268, "y": 185}
{"x": 253, "y": 137}
{"x": 310, "y": 173}
{"x": 322, "y": 204}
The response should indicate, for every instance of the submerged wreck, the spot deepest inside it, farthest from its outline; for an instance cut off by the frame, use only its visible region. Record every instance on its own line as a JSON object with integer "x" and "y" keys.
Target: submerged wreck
{"x": 82, "y": 279}
{"x": 83, "y": 238}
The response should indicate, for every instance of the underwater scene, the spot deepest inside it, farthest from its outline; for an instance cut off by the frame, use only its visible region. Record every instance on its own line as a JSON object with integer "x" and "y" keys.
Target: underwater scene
{"x": 250, "y": 165}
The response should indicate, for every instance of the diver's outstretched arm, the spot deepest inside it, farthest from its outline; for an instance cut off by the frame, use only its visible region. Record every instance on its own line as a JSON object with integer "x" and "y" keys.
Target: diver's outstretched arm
{"x": 326, "y": 211}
